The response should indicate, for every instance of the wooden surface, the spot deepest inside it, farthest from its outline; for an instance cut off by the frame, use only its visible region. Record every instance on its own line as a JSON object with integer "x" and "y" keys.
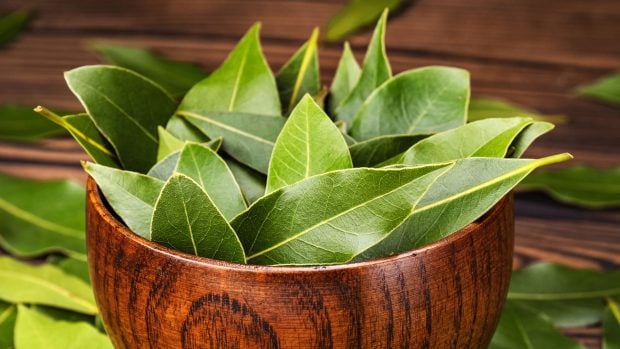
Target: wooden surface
{"x": 529, "y": 51}
{"x": 445, "y": 295}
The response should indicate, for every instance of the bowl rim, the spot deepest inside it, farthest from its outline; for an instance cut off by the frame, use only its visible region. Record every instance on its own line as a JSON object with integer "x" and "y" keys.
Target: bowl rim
{"x": 93, "y": 196}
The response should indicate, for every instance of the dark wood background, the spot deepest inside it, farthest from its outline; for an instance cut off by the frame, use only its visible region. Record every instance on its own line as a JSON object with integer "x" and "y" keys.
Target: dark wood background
{"x": 529, "y": 51}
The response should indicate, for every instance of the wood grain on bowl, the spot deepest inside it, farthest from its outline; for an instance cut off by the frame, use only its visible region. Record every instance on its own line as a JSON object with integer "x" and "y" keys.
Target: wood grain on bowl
{"x": 445, "y": 295}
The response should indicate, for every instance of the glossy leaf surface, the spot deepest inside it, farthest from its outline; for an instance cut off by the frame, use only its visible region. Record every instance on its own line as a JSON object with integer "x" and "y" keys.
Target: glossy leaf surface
{"x": 485, "y": 108}
{"x": 380, "y": 149}
{"x": 523, "y": 141}
{"x": 347, "y": 75}
{"x": 168, "y": 144}
{"x": 165, "y": 167}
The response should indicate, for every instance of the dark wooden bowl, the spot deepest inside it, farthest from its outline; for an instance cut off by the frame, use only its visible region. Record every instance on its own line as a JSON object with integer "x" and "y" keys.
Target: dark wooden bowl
{"x": 448, "y": 294}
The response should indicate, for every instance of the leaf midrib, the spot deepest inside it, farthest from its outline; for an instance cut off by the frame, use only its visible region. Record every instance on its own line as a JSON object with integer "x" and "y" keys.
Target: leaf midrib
{"x": 38, "y": 221}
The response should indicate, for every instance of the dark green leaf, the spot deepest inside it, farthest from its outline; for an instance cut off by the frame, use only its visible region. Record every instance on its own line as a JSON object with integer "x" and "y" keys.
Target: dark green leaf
{"x": 186, "y": 219}
{"x": 204, "y": 166}
{"x": 528, "y": 136}
{"x": 252, "y": 183}
{"x": 40, "y": 217}
{"x": 244, "y": 83}
{"x": 300, "y": 75}
{"x": 579, "y": 185}
{"x": 132, "y": 195}
{"x": 358, "y": 14}
{"x": 376, "y": 70}
{"x": 423, "y": 100}
{"x": 379, "y": 149}
{"x": 183, "y": 129}
{"x": 11, "y": 24}
{"x": 568, "y": 313}
{"x": 168, "y": 144}
{"x": 347, "y": 75}
{"x": 285, "y": 227}
{"x": 21, "y": 123}
{"x": 611, "y": 325}
{"x": 126, "y": 107}
{"x": 308, "y": 145}
{"x": 165, "y": 168}
{"x": 175, "y": 77}
{"x": 606, "y": 89}
{"x": 8, "y": 314}
{"x": 485, "y": 108}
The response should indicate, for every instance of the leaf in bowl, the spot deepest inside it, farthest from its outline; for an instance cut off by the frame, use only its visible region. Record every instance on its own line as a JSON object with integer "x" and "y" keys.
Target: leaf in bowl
{"x": 347, "y": 75}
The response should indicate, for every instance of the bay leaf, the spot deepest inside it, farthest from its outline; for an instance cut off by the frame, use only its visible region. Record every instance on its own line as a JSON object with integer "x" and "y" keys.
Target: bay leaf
{"x": 486, "y": 107}
{"x": 342, "y": 126}
{"x": 375, "y": 71}
{"x": 357, "y": 14}
{"x": 460, "y": 196}
{"x": 568, "y": 313}
{"x": 249, "y": 138}
{"x": 44, "y": 284}
{"x": 126, "y": 107}
{"x": 21, "y": 123}
{"x": 583, "y": 186}
{"x": 37, "y": 327}
{"x": 423, "y": 100}
{"x": 606, "y": 89}
{"x": 206, "y": 168}
{"x": 132, "y": 195}
{"x": 252, "y": 183}
{"x": 8, "y": 315}
{"x": 523, "y": 141}
{"x": 522, "y": 328}
{"x": 308, "y": 145}
{"x": 75, "y": 267}
{"x": 175, "y": 77}
{"x": 168, "y": 143}
{"x": 244, "y": 83}
{"x": 611, "y": 324}
{"x": 377, "y": 150}
{"x": 166, "y": 166}
{"x": 347, "y": 75}
{"x": 183, "y": 129}
{"x": 484, "y": 138}
{"x": 327, "y": 219}
{"x": 186, "y": 219}
{"x": 300, "y": 74}
{"x": 40, "y": 217}
{"x": 12, "y": 23}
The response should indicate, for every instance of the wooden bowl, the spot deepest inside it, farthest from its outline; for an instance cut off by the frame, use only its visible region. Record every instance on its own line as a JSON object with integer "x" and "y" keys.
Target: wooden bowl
{"x": 448, "y": 294}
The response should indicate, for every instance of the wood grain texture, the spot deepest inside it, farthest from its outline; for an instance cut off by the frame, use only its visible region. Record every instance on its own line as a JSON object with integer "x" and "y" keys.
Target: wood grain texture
{"x": 446, "y": 295}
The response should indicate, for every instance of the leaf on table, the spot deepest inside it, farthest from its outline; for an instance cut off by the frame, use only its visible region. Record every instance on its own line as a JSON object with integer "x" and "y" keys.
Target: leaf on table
{"x": 166, "y": 166}
{"x": 375, "y": 71}
{"x": 520, "y": 328}
{"x": 11, "y": 24}
{"x": 44, "y": 284}
{"x": 523, "y": 141}
{"x": 252, "y": 183}
{"x": 358, "y": 14}
{"x": 308, "y": 145}
{"x": 611, "y": 324}
{"x": 330, "y": 218}
{"x": 423, "y": 100}
{"x": 8, "y": 315}
{"x": 126, "y": 107}
{"x": 168, "y": 144}
{"x": 209, "y": 170}
{"x": 460, "y": 196}
{"x": 249, "y": 138}
{"x": 377, "y": 150}
{"x": 174, "y": 76}
{"x": 606, "y": 89}
{"x": 578, "y": 185}
{"x": 342, "y": 127}
{"x": 183, "y": 129}
{"x": 186, "y": 219}
{"x": 347, "y": 75}
{"x": 75, "y": 267}
{"x": 40, "y": 217}
{"x": 21, "y": 123}
{"x": 244, "y": 83}
{"x": 300, "y": 74}
{"x": 37, "y": 327}
{"x": 486, "y": 107}
{"x": 132, "y": 195}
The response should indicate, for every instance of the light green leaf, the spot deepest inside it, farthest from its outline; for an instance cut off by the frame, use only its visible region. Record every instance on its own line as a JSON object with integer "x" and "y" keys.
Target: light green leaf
{"x": 423, "y": 100}
{"x": 342, "y": 127}
{"x": 40, "y": 217}
{"x": 168, "y": 144}
{"x": 460, "y": 196}
{"x": 249, "y": 138}
{"x": 578, "y": 185}
{"x": 252, "y": 183}
{"x": 528, "y": 136}
{"x": 611, "y": 325}
{"x": 206, "y": 168}
{"x": 126, "y": 107}
{"x": 38, "y": 328}
{"x": 522, "y": 328}
{"x": 21, "y": 123}
{"x": 8, "y": 315}
{"x": 44, "y": 284}
{"x": 347, "y": 75}
{"x": 175, "y": 77}
{"x": 606, "y": 89}
{"x": 485, "y": 108}
{"x": 568, "y": 313}
{"x": 309, "y": 144}
{"x": 358, "y": 14}
{"x": 484, "y": 138}
{"x": 12, "y": 24}
{"x": 380, "y": 149}
{"x": 132, "y": 195}
{"x": 75, "y": 267}
{"x": 300, "y": 75}
{"x": 166, "y": 166}
{"x": 330, "y": 218}
{"x": 183, "y": 129}
{"x": 244, "y": 83}
{"x": 376, "y": 71}
{"x": 186, "y": 219}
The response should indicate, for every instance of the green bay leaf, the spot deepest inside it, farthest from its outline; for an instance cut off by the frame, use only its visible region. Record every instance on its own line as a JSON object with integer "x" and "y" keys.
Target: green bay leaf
{"x": 8, "y": 315}
{"x": 308, "y": 145}
{"x": 485, "y": 108}
{"x": 183, "y": 129}
{"x": 358, "y": 14}
{"x": 12, "y": 23}
{"x": 168, "y": 144}
{"x": 347, "y": 75}
{"x": 611, "y": 324}
{"x": 21, "y": 123}
{"x": 251, "y": 182}
{"x": 380, "y": 149}
{"x": 523, "y": 141}
{"x": 186, "y": 219}
{"x": 166, "y": 166}
{"x": 606, "y": 89}
{"x": 342, "y": 126}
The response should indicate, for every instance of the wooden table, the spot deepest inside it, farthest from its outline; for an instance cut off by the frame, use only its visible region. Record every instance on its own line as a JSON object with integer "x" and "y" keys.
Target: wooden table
{"x": 531, "y": 52}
